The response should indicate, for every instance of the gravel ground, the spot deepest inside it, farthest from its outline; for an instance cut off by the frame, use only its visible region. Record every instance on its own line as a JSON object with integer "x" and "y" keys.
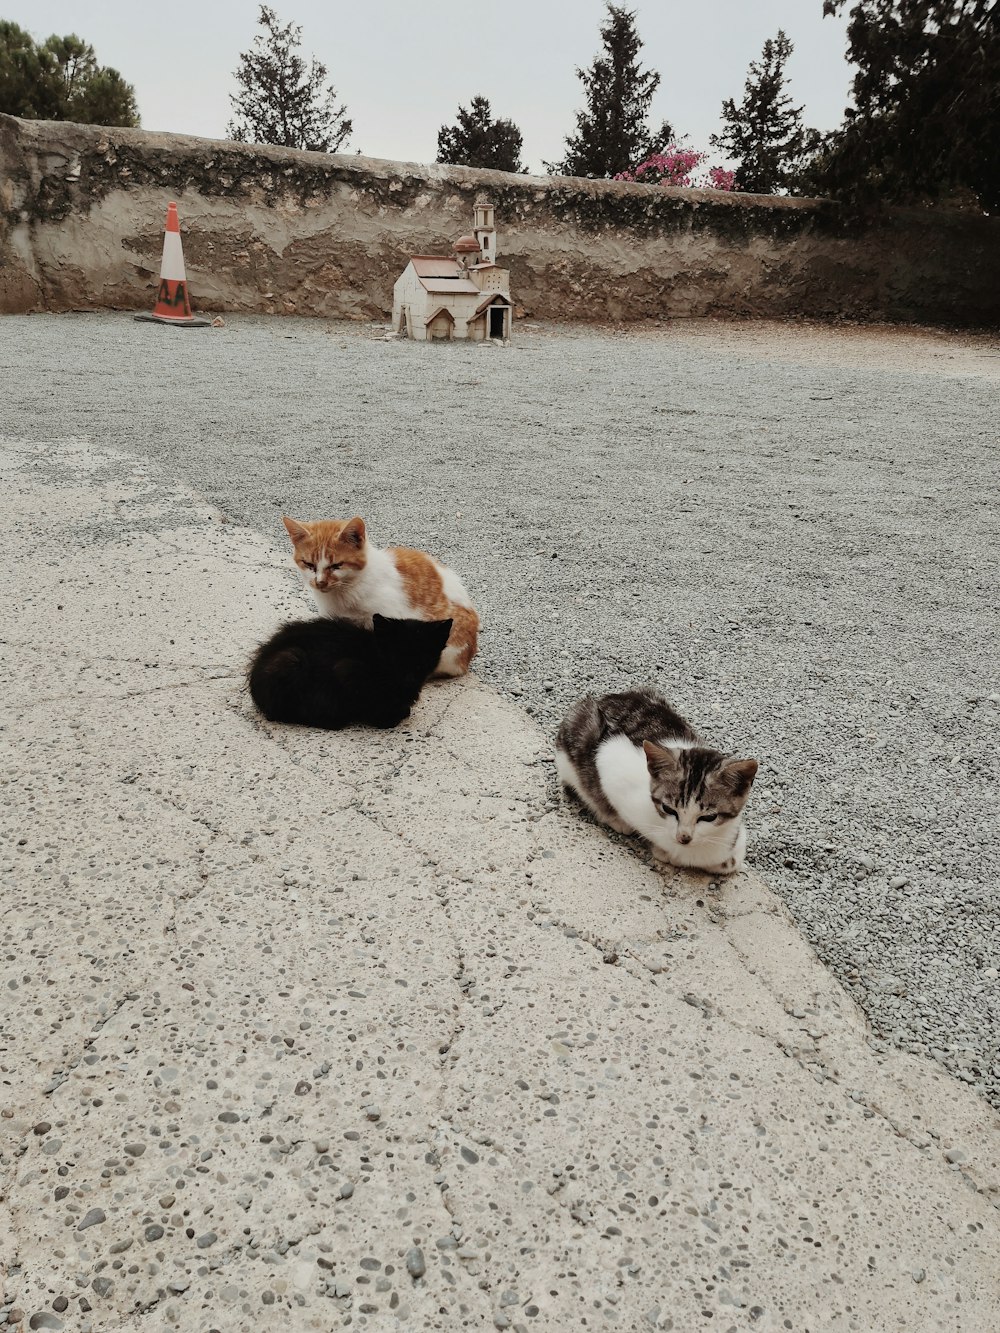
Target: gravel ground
{"x": 791, "y": 530}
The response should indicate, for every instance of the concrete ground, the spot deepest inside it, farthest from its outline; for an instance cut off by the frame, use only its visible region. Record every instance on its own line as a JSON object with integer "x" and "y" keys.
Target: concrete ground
{"x": 791, "y": 529}
{"x": 366, "y": 1030}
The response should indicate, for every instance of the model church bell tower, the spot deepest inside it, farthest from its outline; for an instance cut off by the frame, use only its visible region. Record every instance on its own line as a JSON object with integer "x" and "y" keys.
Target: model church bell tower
{"x": 485, "y": 232}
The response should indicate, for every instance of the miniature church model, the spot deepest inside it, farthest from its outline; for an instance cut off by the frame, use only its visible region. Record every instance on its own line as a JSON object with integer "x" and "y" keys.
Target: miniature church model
{"x": 465, "y": 296}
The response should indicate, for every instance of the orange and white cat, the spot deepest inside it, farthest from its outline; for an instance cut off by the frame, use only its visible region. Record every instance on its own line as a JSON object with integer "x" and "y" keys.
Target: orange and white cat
{"x": 351, "y": 579}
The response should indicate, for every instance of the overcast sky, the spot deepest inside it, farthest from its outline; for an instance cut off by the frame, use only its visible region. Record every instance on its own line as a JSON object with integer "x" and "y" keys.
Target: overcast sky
{"x": 403, "y": 67}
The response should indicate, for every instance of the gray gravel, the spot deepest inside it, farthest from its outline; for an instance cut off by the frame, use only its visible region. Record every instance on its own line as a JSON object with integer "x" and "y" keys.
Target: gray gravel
{"x": 792, "y": 532}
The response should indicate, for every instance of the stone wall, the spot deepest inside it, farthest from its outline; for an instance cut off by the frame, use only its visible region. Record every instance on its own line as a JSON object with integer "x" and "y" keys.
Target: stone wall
{"x": 277, "y": 231}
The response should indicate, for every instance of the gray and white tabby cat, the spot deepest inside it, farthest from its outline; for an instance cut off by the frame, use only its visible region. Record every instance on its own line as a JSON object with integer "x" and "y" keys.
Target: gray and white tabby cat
{"x": 642, "y": 769}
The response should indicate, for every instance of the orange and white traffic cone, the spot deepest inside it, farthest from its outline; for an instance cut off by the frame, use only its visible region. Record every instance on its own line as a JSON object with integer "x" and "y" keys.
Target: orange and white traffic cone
{"x": 173, "y": 305}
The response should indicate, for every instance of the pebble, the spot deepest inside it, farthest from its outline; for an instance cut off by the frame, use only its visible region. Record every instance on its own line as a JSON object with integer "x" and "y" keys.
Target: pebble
{"x": 209, "y": 1238}
{"x": 416, "y": 1265}
{"x": 94, "y": 1218}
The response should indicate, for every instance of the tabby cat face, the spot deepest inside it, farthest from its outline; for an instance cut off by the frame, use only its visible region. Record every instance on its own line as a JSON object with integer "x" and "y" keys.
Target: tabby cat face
{"x": 696, "y": 790}
{"x": 329, "y": 552}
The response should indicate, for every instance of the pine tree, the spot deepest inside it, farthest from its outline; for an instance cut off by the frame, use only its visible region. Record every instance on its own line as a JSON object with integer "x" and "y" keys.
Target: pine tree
{"x": 612, "y": 134}
{"x": 765, "y": 133}
{"x": 60, "y": 80}
{"x": 282, "y": 100}
{"x": 926, "y": 114}
{"x": 477, "y": 140}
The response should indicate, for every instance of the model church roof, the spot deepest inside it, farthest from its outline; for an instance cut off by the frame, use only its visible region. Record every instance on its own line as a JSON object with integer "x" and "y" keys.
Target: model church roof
{"x": 442, "y": 275}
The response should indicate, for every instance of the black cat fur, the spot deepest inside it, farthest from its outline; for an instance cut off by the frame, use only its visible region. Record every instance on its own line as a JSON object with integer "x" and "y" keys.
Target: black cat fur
{"x": 333, "y": 673}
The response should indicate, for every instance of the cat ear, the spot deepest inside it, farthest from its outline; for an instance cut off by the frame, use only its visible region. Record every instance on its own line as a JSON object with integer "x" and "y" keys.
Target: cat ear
{"x": 296, "y": 530}
{"x": 738, "y": 775}
{"x": 659, "y": 759}
{"x": 353, "y": 532}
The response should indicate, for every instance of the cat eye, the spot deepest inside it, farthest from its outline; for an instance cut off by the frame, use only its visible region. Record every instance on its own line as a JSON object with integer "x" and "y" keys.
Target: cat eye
{"x": 308, "y": 564}
{"x": 707, "y": 819}
{"x": 667, "y": 810}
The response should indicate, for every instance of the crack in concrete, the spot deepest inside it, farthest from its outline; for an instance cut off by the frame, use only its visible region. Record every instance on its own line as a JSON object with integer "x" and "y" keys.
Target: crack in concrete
{"x": 257, "y": 723}
{"x": 61, "y": 1076}
{"x": 90, "y": 659}
{"x": 129, "y": 693}
{"x": 810, "y": 1059}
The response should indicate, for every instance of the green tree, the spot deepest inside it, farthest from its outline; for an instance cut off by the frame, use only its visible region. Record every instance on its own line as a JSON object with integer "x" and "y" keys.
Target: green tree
{"x": 926, "y": 116}
{"x": 60, "y": 80}
{"x": 765, "y": 134}
{"x": 282, "y": 100}
{"x": 612, "y": 133}
{"x": 477, "y": 140}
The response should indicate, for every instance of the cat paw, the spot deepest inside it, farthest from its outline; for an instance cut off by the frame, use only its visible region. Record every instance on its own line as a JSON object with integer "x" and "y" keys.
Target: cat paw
{"x": 619, "y": 825}
{"x": 660, "y": 855}
{"x": 727, "y": 867}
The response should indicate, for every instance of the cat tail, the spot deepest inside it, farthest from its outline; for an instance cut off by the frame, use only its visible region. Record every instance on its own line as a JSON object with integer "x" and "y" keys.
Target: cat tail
{"x": 463, "y": 642}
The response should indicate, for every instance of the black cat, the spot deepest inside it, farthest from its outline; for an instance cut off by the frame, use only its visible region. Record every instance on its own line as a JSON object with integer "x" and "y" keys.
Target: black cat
{"x": 332, "y": 673}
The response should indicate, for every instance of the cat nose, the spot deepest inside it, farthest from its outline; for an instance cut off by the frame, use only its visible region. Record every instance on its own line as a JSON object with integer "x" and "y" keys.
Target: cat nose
{"x": 684, "y": 838}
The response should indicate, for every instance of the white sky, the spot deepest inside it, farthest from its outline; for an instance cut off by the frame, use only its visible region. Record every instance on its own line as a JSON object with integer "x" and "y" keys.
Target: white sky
{"x": 403, "y": 68}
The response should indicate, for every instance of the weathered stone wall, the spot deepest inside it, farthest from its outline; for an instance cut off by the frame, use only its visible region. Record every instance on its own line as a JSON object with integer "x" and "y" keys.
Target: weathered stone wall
{"x": 272, "y": 230}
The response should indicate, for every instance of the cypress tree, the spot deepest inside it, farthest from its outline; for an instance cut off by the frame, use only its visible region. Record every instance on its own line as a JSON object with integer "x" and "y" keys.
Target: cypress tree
{"x": 612, "y": 133}
{"x": 282, "y": 100}
{"x": 764, "y": 133}
{"x": 477, "y": 140}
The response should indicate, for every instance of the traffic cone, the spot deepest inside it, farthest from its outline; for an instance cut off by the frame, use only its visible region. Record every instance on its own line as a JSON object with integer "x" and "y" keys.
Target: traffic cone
{"x": 173, "y": 305}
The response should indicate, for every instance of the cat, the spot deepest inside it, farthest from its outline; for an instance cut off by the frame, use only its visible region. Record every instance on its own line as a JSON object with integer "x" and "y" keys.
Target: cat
{"x": 333, "y": 673}
{"x": 349, "y": 577}
{"x": 641, "y": 768}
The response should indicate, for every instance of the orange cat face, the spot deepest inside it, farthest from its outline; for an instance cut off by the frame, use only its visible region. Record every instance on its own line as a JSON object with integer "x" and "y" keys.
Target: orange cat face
{"x": 328, "y": 552}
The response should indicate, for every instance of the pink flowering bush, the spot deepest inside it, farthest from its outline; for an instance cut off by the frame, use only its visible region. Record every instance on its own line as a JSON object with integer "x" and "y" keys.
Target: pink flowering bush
{"x": 721, "y": 179}
{"x": 676, "y": 166}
